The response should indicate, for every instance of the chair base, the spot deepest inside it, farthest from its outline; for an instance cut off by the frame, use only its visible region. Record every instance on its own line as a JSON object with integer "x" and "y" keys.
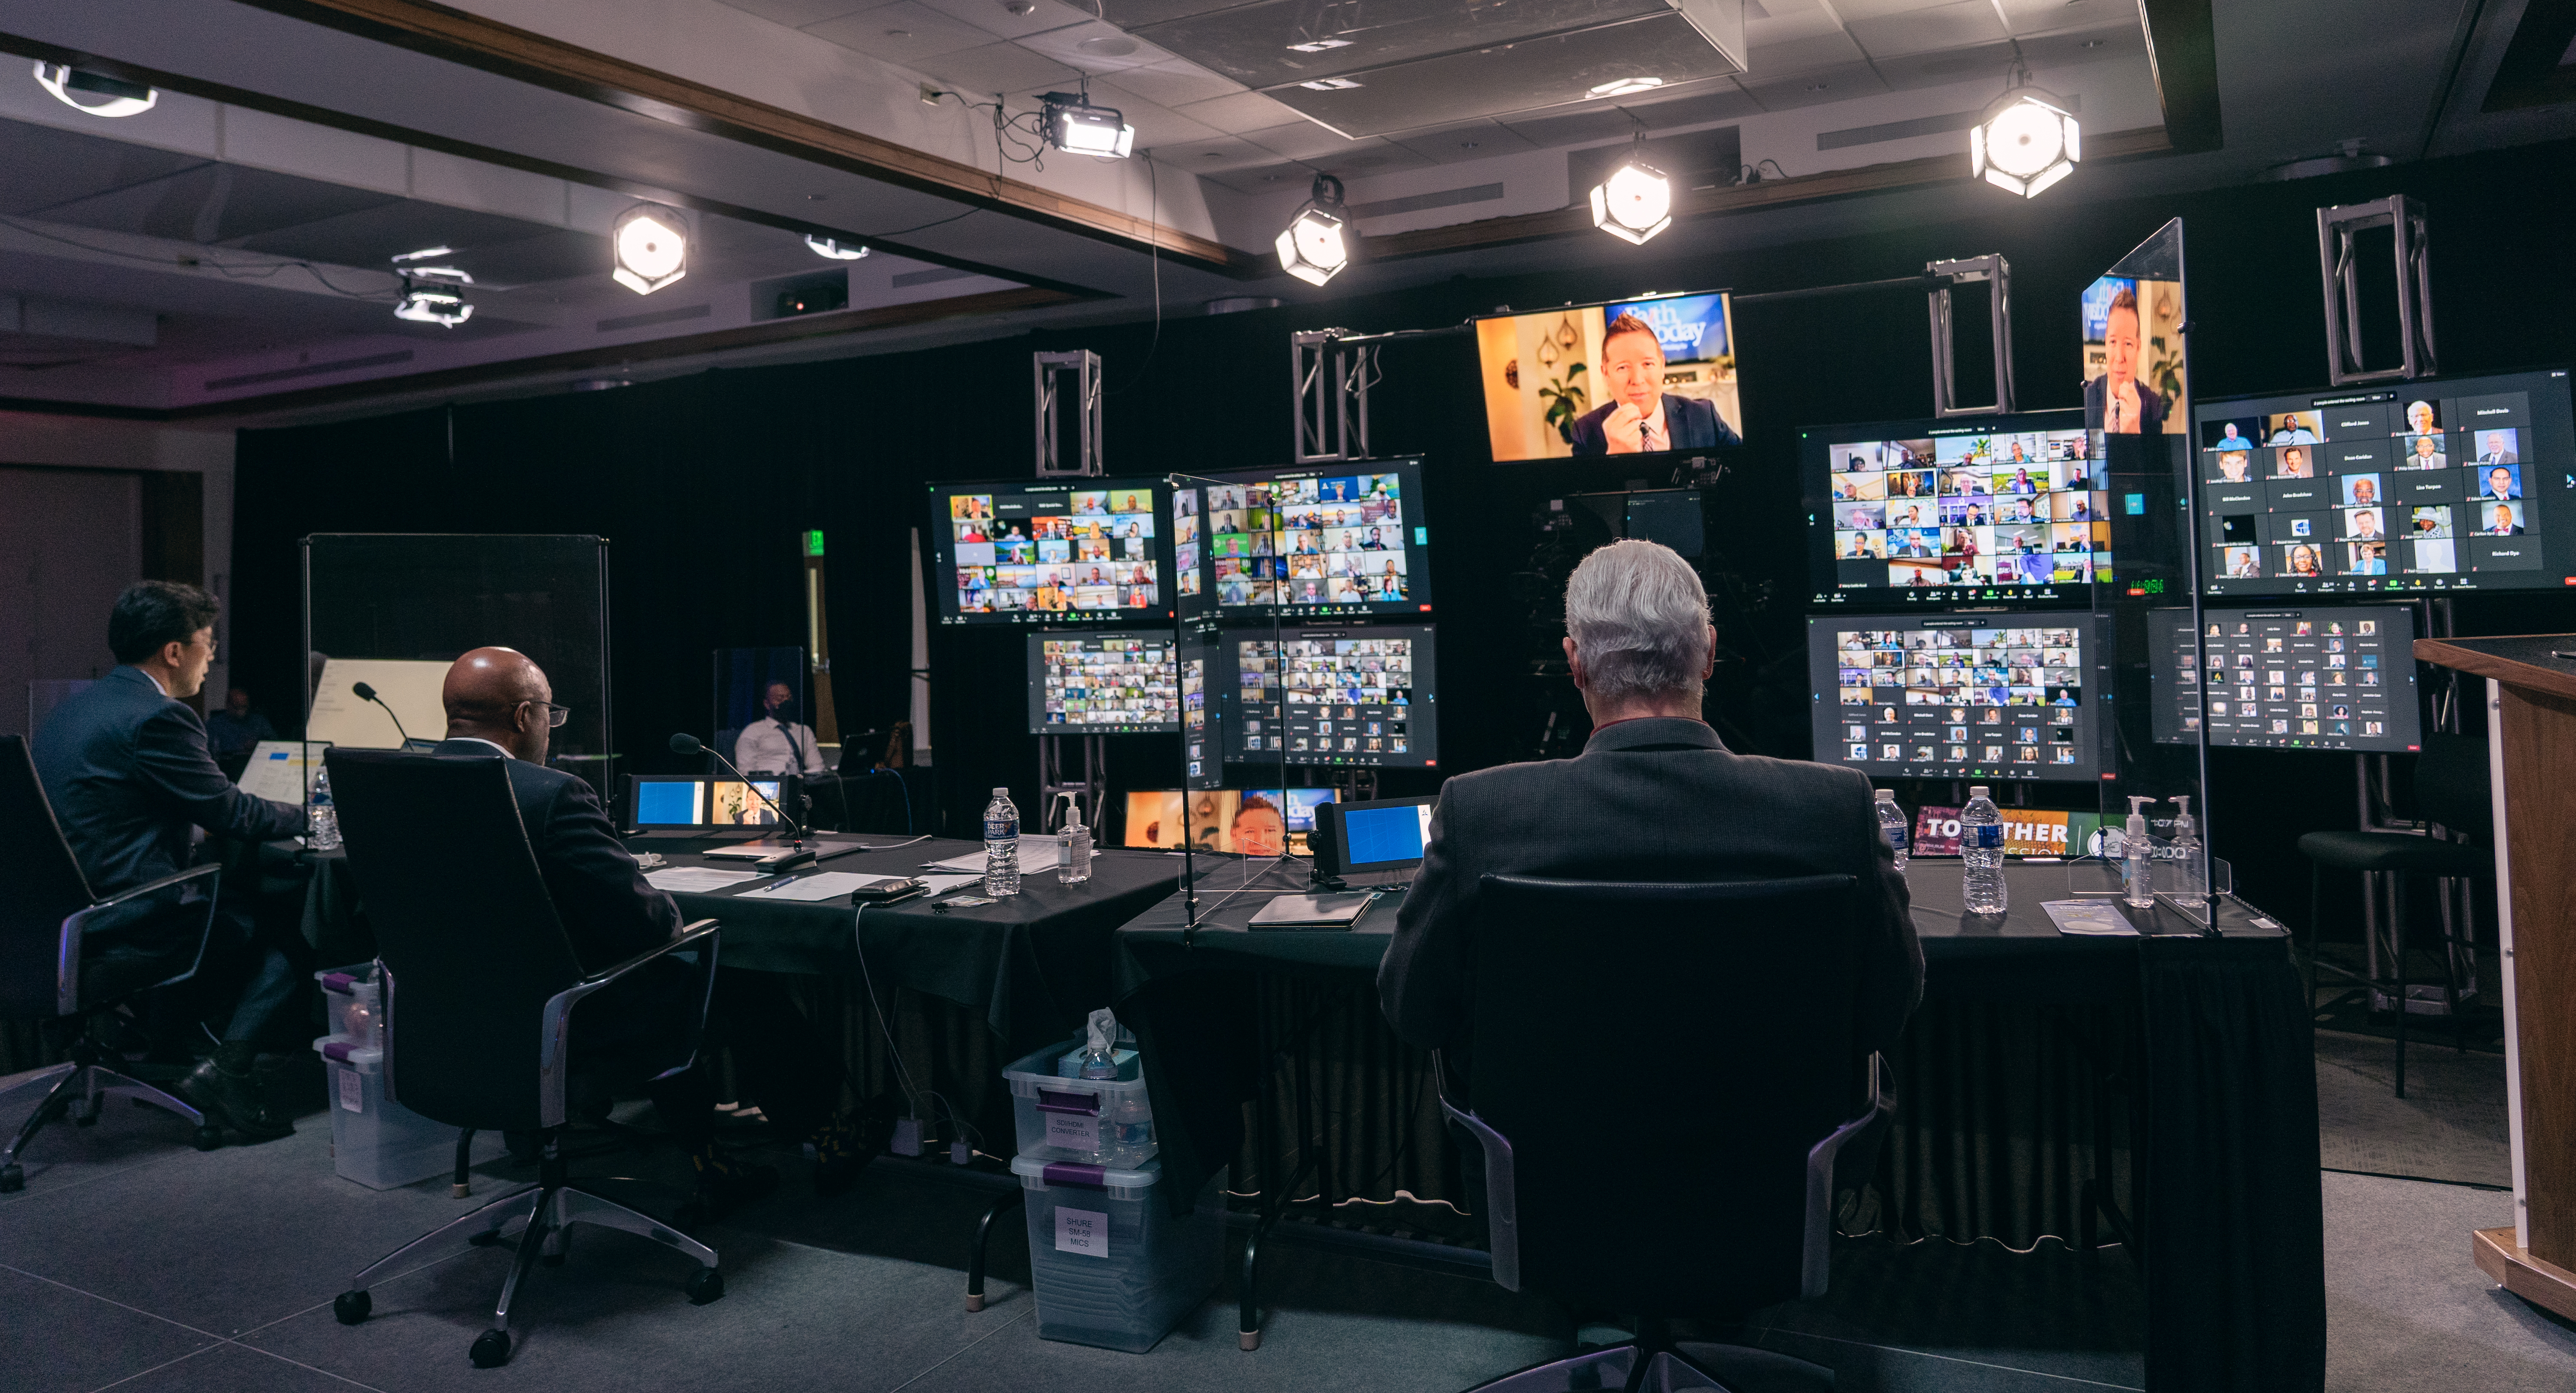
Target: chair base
{"x": 75, "y": 1089}
{"x": 1724, "y": 1368}
{"x": 549, "y": 1209}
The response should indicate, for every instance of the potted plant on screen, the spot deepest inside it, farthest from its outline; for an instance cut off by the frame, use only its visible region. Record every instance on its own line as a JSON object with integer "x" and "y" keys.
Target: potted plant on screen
{"x": 1566, "y": 400}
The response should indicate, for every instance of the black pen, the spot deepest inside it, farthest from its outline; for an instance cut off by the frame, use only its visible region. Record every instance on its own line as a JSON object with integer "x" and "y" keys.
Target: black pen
{"x": 779, "y": 884}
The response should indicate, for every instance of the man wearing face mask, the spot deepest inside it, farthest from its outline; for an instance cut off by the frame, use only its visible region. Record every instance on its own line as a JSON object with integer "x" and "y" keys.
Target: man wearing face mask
{"x": 778, "y": 743}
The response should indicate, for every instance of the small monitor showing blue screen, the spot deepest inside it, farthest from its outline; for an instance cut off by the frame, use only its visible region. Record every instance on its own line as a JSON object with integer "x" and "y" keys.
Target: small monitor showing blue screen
{"x": 664, "y": 800}
{"x": 1379, "y": 835}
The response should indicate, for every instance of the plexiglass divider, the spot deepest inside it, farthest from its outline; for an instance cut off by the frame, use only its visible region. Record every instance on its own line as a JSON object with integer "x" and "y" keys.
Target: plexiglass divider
{"x": 1236, "y": 794}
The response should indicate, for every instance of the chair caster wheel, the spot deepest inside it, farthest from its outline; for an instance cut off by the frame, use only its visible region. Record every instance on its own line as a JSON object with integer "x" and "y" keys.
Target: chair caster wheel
{"x": 491, "y": 1349}
{"x": 486, "y": 1238}
{"x": 705, "y": 1285}
{"x": 13, "y": 1178}
{"x": 351, "y": 1307}
{"x": 207, "y": 1138}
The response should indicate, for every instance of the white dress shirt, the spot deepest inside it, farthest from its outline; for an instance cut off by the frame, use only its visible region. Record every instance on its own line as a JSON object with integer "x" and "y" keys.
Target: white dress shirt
{"x": 765, "y": 745}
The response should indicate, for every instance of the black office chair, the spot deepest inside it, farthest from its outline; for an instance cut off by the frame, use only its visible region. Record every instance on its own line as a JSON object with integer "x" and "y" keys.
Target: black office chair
{"x": 1663, "y": 1080}
{"x": 2453, "y": 793}
{"x": 480, "y": 986}
{"x": 67, "y": 956}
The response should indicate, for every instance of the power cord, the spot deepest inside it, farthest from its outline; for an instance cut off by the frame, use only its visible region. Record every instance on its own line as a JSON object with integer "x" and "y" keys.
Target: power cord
{"x": 912, "y": 1091}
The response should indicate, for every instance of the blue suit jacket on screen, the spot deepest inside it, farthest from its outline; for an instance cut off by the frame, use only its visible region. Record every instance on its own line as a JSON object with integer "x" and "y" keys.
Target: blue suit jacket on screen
{"x": 1691, "y": 424}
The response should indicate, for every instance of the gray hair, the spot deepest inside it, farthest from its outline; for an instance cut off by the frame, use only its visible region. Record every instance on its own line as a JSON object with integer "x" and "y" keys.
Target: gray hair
{"x": 1639, "y": 620}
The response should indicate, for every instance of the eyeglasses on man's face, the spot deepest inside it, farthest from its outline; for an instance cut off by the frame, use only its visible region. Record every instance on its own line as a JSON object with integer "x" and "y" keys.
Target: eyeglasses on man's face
{"x": 555, "y": 715}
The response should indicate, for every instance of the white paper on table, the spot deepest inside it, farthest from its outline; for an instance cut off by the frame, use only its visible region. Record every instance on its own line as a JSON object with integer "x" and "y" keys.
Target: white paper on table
{"x": 697, "y": 880}
{"x": 1036, "y": 854}
{"x": 2088, "y": 917}
{"x": 821, "y": 885}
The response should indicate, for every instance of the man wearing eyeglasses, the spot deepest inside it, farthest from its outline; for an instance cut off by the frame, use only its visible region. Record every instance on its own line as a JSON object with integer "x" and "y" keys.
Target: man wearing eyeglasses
{"x": 125, "y": 766}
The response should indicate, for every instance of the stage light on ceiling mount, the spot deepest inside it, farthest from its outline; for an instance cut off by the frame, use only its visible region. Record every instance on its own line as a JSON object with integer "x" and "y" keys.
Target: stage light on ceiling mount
{"x": 1636, "y": 201}
{"x": 427, "y": 296}
{"x": 1316, "y": 245}
{"x": 833, "y": 249}
{"x": 2026, "y": 141}
{"x": 1627, "y": 86}
{"x": 113, "y": 96}
{"x": 1076, "y": 127}
{"x": 651, "y": 247}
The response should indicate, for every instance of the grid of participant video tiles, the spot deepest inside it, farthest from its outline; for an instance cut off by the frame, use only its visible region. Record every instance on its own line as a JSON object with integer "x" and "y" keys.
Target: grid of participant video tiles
{"x": 1096, "y": 555}
{"x": 1306, "y": 698}
{"x": 1108, "y": 684}
{"x": 1965, "y": 699}
{"x": 1302, "y": 541}
{"x": 1968, "y": 509}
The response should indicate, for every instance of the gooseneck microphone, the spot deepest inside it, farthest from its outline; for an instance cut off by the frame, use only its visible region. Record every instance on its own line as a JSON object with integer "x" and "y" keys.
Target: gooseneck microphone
{"x": 687, "y": 744}
{"x": 367, "y": 693}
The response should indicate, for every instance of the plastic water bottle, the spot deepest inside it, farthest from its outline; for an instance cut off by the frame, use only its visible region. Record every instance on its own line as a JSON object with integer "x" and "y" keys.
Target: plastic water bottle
{"x": 1001, "y": 846}
{"x": 324, "y": 833}
{"x": 1891, "y": 825}
{"x": 1981, "y": 846}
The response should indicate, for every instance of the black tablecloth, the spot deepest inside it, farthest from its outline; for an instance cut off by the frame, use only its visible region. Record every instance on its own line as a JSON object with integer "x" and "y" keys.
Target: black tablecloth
{"x": 2229, "y": 1193}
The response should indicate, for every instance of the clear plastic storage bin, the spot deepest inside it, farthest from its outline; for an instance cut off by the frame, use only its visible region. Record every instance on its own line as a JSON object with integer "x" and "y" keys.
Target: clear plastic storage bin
{"x": 375, "y": 1141}
{"x": 1100, "y": 1122}
{"x": 1111, "y": 1268}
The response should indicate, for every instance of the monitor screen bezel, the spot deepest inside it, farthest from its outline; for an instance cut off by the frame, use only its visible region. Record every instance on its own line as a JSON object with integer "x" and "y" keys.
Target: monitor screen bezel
{"x": 939, "y": 555}
{"x": 1417, "y": 605}
{"x": 1336, "y": 813}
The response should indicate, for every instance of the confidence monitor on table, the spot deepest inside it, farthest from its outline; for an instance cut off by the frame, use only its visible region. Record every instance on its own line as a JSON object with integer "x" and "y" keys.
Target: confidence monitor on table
{"x": 2295, "y": 677}
{"x": 1335, "y": 541}
{"x": 2462, "y": 483}
{"x": 2001, "y": 695}
{"x": 1058, "y": 552}
{"x": 1360, "y": 697}
{"x": 1372, "y": 842}
{"x": 657, "y": 802}
{"x": 1651, "y": 376}
{"x": 1114, "y": 682}
{"x": 1941, "y": 513}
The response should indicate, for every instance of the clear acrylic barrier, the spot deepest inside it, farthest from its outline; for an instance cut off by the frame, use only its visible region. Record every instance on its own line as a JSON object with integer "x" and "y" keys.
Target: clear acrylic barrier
{"x": 1238, "y": 807}
{"x": 430, "y": 598}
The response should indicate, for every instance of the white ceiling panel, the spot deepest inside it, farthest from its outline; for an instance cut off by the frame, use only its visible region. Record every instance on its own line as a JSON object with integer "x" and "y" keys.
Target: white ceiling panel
{"x": 796, "y": 14}
{"x": 1832, "y": 48}
{"x": 1817, "y": 88}
{"x": 995, "y": 17}
{"x": 1155, "y": 123}
{"x": 2030, "y": 17}
{"x": 1959, "y": 24}
{"x": 1213, "y": 156}
{"x": 1239, "y": 113}
{"x": 1095, "y": 47}
{"x": 1177, "y": 83}
{"x": 903, "y": 32}
{"x": 1304, "y": 140}
{"x": 998, "y": 68}
{"x": 1480, "y": 141}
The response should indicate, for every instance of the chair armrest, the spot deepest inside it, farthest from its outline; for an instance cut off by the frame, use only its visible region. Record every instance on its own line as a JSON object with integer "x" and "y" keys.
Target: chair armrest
{"x": 554, "y": 1053}
{"x": 1818, "y": 1257}
{"x": 1502, "y": 1208}
{"x": 67, "y": 951}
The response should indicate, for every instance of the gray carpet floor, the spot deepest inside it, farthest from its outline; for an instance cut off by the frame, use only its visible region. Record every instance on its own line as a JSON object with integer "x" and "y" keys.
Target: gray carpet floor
{"x": 2450, "y": 1125}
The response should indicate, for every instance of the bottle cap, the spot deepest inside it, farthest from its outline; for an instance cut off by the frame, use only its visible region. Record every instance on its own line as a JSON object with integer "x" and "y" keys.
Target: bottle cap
{"x": 1887, "y": 795}
{"x": 1976, "y": 791}
{"x": 1001, "y": 793}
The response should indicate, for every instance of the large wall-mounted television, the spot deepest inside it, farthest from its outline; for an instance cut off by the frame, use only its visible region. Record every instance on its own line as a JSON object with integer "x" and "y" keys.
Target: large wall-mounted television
{"x": 1651, "y": 375}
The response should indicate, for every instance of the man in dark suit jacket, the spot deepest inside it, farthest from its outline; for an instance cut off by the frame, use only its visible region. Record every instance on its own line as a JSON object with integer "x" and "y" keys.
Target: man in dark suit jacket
{"x": 126, "y": 767}
{"x": 2119, "y": 401}
{"x": 499, "y": 704}
{"x": 1641, "y": 416}
{"x": 1688, "y": 423}
{"x": 1654, "y": 796}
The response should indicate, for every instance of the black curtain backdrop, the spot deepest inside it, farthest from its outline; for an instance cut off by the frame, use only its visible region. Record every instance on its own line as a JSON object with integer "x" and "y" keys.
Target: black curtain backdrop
{"x": 703, "y": 483}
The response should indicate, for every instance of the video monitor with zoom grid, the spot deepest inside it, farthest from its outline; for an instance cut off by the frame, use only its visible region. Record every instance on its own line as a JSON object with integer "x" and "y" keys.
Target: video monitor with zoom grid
{"x": 1120, "y": 682}
{"x": 1346, "y": 539}
{"x": 2465, "y": 483}
{"x": 1654, "y": 375}
{"x": 1940, "y": 513}
{"x": 2000, "y": 695}
{"x": 1356, "y": 697}
{"x": 1051, "y": 551}
{"x": 2301, "y": 678}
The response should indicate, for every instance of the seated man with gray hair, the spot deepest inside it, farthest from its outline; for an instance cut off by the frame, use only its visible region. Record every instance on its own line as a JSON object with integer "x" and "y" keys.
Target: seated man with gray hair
{"x": 1653, "y": 797}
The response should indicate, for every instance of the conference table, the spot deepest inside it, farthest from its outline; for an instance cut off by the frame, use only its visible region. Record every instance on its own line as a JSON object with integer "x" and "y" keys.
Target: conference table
{"x": 2038, "y": 1063}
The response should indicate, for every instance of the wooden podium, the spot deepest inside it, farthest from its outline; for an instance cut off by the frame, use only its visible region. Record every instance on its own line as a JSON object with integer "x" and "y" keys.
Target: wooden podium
{"x": 2531, "y": 758}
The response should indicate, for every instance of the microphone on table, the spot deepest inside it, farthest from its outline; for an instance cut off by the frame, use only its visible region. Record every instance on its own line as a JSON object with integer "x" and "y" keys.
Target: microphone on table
{"x": 367, "y": 693}
{"x": 687, "y": 744}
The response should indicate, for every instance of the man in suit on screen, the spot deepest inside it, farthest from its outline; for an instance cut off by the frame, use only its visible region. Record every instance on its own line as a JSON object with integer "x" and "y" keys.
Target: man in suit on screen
{"x": 1642, "y": 417}
{"x": 2119, "y": 402}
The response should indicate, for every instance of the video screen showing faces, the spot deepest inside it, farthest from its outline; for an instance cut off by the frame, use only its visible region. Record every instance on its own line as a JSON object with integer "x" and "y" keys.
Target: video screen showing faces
{"x": 1345, "y": 540}
{"x": 1632, "y": 377}
{"x": 1343, "y": 697}
{"x": 1118, "y": 683}
{"x": 2135, "y": 377}
{"x": 1984, "y": 696}
{"x": 1237, "y": 822}
{"x": 2012, "y": 508}
{"x": 2289, "y": 678}
{"x": 707, "y": 802}
{"x": 2462, "y": 484}
{"x": 1051, "y": 552}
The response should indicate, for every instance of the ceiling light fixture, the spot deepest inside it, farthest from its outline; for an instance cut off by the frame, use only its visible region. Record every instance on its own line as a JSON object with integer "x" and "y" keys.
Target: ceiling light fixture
{"x": 1076, "y": 127}
{"x": 2026, "y": 141}
{"x": 1316, "y": 245}
{"x": 1636, "y": 201}
{"x": 1319, "y": 45}
{"x": 1627, "y": 86}
{"x": 1331, "y": 84}
{"x": 432, "y": 305}
{"x": 651, "y": 246}
{"x": 116, "y": 96}
{"x": 833, "y": 249}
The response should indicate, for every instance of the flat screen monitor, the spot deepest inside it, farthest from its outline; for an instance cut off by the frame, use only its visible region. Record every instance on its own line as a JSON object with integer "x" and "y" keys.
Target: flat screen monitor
{"x": 1938, "y": 513}
{"x": 1227, "y": 820}
{"x": 1653, "y": 375}
{"x": 1105, "y": 682}
{"x": 1385, "y": 835}
{"x": 2001, "y": 695}
{"x": 409, "y": 686}
{"x": 282, "y": 771}
{"x": 1340, "y": 540}
{"x": 2462, "y": 483}
{"x": 1360, "y": 697}
{"x": 2294, "y": 677}
{"x": 657, "y": 801}
{"x": 1051, "y": 551}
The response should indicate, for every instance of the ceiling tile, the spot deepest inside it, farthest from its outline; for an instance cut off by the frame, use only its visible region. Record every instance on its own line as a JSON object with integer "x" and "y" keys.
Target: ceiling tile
{"x": 995, "y": 17}
{"x": 1378, "y": 157}
{"x": 1572, "y": 127}
{"x": 1265, "y": 178}
{"x": 1699, "y": 103}
{"x": 1853, "y": 11}
{"x": 1176, "y": 83}
{"x": 1782, "y": 27}
{"x": 48, "y": 166}
{"x": 1155, "y": 124}
{"x": 998, "y": 68}
{"x": 1960, "y": 24}
{"x": 1826, "y": 50}
{"x": 903, "y": 32}
{"x": 1094, "y": 47}
{"x": 1304, "y": 140}
{"x": 1481, "y": 140}
{"x": 1818, "y": 88}
{"x": 1238, "y": 112}
{"x": 796, "y": 14}
{"x": 1252, "y": 42}
{"x": 1227, "y": 152}
{"x": 2030, "y": 17}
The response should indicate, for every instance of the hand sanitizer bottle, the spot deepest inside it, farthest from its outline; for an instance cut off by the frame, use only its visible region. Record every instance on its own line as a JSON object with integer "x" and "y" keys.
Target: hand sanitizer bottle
{"x": 2136, "y": 854}
{"x": 1075, "y": 868}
